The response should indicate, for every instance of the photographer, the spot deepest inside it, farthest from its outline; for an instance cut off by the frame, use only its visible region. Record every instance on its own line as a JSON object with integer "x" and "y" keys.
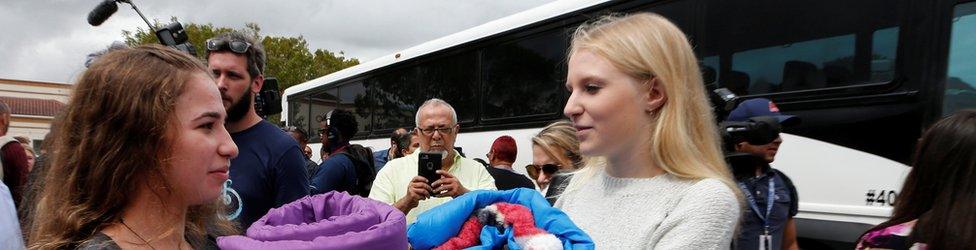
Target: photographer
{"x": 400, "y": 183}
{"x": 768, "y": 222}
{"x": 350, "y": 166}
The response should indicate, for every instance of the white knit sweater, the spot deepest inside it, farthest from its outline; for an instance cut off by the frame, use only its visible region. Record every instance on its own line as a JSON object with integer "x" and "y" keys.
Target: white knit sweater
{"x": 663, "y": 212}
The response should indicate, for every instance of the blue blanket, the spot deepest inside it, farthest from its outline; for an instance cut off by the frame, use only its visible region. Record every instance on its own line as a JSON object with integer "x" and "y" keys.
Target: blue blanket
{"x": 435, "y": 226}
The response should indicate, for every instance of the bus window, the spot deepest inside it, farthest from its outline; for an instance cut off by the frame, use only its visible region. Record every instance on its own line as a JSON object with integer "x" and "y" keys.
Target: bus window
{"x": 802, "y": 45}
{"x": 453, "y": 79}
{"x": 709, "y": 68}
{"x": 960, "y": 92}
{"x": 885, "y": 43}
{"x": 298, "y": 110}
{"x": 800, "y": 65}
{"x": 353, "y": 98}
{"x": 526, "y": 77}
{"x": 394, "y": 98}
{"x": 321, "y": 104}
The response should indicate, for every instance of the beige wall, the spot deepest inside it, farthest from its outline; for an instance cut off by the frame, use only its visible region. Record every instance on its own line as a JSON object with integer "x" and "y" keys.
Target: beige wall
{"x": 33, "y": 127}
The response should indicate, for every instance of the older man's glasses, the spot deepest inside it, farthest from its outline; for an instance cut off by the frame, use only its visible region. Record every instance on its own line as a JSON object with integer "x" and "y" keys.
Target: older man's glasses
{"x": 239, "y": 47}
{"x": 430, "y": 131}
{"x": 534, "y": 170}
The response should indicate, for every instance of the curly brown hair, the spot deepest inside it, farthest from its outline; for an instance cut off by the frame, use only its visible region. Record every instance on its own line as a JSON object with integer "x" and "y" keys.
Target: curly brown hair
{"x": 116, "y": 134}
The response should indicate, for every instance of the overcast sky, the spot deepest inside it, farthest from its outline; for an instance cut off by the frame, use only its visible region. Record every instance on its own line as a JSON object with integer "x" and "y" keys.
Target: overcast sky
{"x": 47, "y": 40}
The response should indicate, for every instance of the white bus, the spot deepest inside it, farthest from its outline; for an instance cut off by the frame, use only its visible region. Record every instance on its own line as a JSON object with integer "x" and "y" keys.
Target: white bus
{"x": 866, "y": 77}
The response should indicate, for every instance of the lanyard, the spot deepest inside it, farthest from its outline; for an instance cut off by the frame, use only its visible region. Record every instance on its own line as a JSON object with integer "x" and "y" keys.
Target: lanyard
{"x": 755, "y": 207}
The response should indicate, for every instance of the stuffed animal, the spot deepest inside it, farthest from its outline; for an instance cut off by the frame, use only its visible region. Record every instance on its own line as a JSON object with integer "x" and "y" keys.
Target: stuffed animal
{"x": 503, "y": 215}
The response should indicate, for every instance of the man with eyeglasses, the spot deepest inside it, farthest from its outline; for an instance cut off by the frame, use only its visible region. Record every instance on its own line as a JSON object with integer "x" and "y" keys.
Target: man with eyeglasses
{"x": 270, "y": 169}
{"x": 399, "y": 184}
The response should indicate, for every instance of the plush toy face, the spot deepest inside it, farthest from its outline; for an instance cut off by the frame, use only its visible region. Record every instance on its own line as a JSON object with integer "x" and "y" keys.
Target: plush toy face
{"x": 504, "y": 215}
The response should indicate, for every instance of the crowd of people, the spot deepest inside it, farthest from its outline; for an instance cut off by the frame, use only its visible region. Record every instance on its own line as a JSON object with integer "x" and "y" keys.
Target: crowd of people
{"x": 17, "y": 160}
{"x": 158, "y": 150}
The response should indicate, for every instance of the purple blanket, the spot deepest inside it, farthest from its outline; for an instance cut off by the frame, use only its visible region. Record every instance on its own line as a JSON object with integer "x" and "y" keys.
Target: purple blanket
{"x": 326, "y": 221}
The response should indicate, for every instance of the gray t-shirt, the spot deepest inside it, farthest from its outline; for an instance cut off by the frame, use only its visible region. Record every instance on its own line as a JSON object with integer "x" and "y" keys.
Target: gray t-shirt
{"x": 101, "y": 241}
{"x": 663, "y": 212}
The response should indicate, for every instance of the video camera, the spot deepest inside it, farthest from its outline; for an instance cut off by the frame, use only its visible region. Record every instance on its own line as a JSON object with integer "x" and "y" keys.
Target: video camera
{"x": 758, "y": 130}
{"x": 268, "y": 101}
{"x": 174, "y": 36}
{"x": 171, "y": 35}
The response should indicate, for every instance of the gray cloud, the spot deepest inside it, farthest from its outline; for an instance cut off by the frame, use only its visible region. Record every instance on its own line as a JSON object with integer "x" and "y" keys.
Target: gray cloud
{"x": 47, "y": 40}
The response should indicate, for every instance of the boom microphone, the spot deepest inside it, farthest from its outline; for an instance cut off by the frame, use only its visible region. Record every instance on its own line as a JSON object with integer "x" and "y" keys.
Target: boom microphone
{"x": 171, "y": 35}
{"x": 101, "y": 12}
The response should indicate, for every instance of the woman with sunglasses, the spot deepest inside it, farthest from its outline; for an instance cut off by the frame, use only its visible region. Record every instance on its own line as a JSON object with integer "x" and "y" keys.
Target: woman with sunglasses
{"x": 639, "y": 107}
{"x": 149, "y": 169}
{"x": 554, "y": 150}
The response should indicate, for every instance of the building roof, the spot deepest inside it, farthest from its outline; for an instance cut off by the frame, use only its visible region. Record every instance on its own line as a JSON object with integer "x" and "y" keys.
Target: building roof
{"x": 59, "y": 85}
{"x": 32, "y": 106}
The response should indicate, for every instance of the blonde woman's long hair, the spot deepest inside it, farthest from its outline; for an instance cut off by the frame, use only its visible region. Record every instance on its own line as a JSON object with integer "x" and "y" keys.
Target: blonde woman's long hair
{"x": 115, "y": 133}
{"x": 685, "y": 141}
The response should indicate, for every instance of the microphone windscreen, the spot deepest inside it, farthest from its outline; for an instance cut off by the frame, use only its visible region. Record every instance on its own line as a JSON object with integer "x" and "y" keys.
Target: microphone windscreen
{"x": 101, "y": 12}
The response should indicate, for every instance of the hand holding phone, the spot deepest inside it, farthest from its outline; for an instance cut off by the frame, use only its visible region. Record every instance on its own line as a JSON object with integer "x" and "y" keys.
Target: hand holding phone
{"x": 428, "y": 165}
{"x": 447, "y": 186}
{"x": 417, "y": 190}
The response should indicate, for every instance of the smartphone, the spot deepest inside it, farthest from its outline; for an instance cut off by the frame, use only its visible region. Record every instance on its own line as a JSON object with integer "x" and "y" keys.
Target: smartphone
{"x": 428, "y": 165}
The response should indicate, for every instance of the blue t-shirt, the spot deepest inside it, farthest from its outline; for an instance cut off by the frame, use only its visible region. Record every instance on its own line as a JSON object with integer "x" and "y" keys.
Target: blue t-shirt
{"x": 268, "y": 172}
{"x": 335, "y": 174}
{"x": 380, "y": 159}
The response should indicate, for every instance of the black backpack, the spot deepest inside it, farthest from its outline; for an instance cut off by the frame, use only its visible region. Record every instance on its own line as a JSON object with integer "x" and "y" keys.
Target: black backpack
{"x": 362, "y": 159}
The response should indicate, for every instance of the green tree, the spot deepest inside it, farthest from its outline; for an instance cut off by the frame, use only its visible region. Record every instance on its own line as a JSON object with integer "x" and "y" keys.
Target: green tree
{"x": 288, "y": 58}
{"x": 331, "y": 62}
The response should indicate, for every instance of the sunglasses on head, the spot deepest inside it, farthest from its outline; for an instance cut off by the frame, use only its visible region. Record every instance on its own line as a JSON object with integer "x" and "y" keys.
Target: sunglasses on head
{"x": 239, "y": 47}
{"x": 534, "y": 170}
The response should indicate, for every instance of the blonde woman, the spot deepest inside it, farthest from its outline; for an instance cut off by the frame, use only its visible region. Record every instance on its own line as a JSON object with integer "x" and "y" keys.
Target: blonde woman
{"x": 555, "y": 150}
{"x": 638, "y": 104}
